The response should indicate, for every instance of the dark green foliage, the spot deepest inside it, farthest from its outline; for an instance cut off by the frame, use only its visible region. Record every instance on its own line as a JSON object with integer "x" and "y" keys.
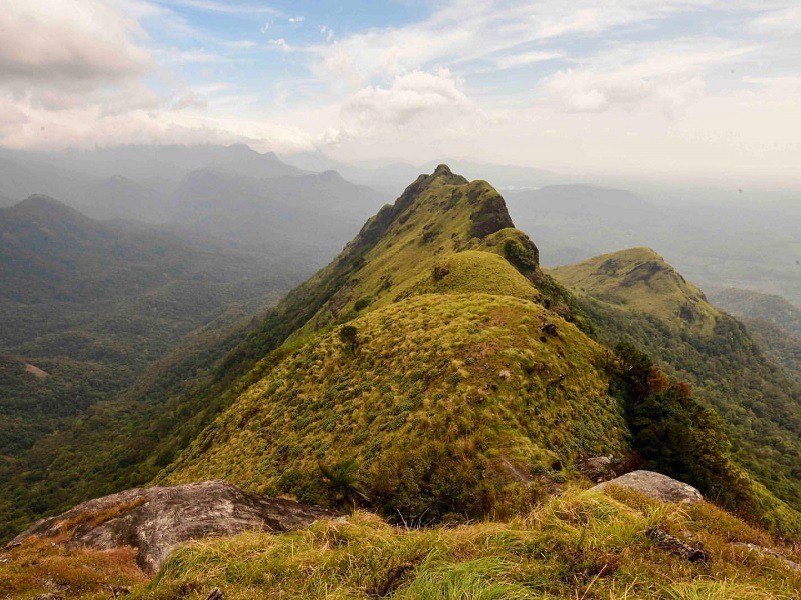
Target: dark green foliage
{"x": 362, "y": 303}
{"x": 432, "y": 484}
{"x": 349, "y": 336}
{"x": 781, "y": 347}
{"x": 759, "y": 406}
{"x": 675, "y": 435}
{"x": 525, "y": 259}
{"x": 101, "y": 310}
{"x": 343, "y": 483}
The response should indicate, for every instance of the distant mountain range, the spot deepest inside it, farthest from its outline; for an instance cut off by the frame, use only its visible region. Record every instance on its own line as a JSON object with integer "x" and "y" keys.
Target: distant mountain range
{"x": 248, "y": 199}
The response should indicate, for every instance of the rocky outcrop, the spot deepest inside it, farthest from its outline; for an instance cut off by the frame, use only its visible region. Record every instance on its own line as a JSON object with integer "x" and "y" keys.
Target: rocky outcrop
{"x": 654, "y": 485}
{"x": 155, "y": 520}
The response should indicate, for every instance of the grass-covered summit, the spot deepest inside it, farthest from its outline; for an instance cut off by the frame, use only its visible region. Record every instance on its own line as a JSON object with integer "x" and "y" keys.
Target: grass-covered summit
{"x": 432, "y": 370}
{"x": 639, "y": 279}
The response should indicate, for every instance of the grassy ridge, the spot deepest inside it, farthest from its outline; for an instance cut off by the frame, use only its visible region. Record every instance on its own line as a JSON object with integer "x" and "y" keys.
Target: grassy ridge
{"x": 442, "y": 397}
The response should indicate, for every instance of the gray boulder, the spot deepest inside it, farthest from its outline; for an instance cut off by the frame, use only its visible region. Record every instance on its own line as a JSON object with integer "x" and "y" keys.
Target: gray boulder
{"x": 157, "y": 519}
{"x": 654, "y": 485}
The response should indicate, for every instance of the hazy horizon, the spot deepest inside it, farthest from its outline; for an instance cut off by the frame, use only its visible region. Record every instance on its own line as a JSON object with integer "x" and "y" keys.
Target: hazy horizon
{"x": 687, "y": 90}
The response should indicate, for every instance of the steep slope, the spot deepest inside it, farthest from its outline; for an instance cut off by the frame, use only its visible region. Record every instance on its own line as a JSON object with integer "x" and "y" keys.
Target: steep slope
{"x": 441, "y": 397}
{"x": 635, "y": 296}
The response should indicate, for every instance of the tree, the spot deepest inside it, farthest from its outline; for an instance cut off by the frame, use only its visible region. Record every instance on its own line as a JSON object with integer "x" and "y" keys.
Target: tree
{"x": 349, "y": 336}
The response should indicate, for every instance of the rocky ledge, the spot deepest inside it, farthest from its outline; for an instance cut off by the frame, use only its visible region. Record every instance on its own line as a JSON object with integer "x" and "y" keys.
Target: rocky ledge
{"x": 157, "y": 519}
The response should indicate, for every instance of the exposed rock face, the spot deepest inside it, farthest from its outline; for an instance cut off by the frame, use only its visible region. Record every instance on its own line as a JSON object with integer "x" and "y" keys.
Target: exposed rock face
{"x": 155, "y": 520}
{"x": 655, "y": 485}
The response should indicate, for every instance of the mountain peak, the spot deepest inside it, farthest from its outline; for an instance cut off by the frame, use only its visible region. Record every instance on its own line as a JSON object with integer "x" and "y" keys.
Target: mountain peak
{"x": 443, "y": 169}
{"x": 640, "y": 279}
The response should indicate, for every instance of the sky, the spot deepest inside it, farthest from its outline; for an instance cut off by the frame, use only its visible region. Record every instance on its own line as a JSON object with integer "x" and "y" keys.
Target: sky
{"x": 644, "y": 88}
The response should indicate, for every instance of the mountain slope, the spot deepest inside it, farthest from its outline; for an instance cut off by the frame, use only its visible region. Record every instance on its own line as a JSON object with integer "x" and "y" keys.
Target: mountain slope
{"x": 634, "y": 296}
{"x": 441, "y": 396}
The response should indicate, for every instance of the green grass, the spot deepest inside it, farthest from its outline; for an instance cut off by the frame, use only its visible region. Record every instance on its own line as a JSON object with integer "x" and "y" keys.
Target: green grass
{"x": 577, "y": 545}
{"x": 422, "y": 407}
{"x": 473, "y": 271}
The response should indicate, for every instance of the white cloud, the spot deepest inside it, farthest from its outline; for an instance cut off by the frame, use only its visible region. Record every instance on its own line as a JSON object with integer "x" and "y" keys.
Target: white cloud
{"x": 585, "y": 91}
{"x": 190, "y": 100}
{"x": 299, "y": 19}
{"x": 784, "y": 21}
{"x": 76, "y": 41}
{"x": 461, "y": 31}
{"x": 416, "y": 100}
{"x": 512, "y": 60}
{"x": 24, "y": 125}
{"x": 658, "y": 76}
{"x": 280, "y": 44}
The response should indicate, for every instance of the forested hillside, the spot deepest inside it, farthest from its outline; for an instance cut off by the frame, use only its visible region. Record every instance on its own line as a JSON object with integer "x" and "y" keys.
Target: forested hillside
{"x": 87, "y": 308}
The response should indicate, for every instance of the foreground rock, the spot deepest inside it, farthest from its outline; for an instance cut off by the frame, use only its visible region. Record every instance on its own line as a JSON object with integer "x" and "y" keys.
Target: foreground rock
{"x": 155, "y": 520}
{"x": 654, "y": 485}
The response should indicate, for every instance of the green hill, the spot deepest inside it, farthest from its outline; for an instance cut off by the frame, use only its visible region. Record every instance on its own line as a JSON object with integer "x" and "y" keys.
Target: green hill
{"x": 634, "y": 296}
{"x": 433, "y": 370}
{"x": 455, "y": 383}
